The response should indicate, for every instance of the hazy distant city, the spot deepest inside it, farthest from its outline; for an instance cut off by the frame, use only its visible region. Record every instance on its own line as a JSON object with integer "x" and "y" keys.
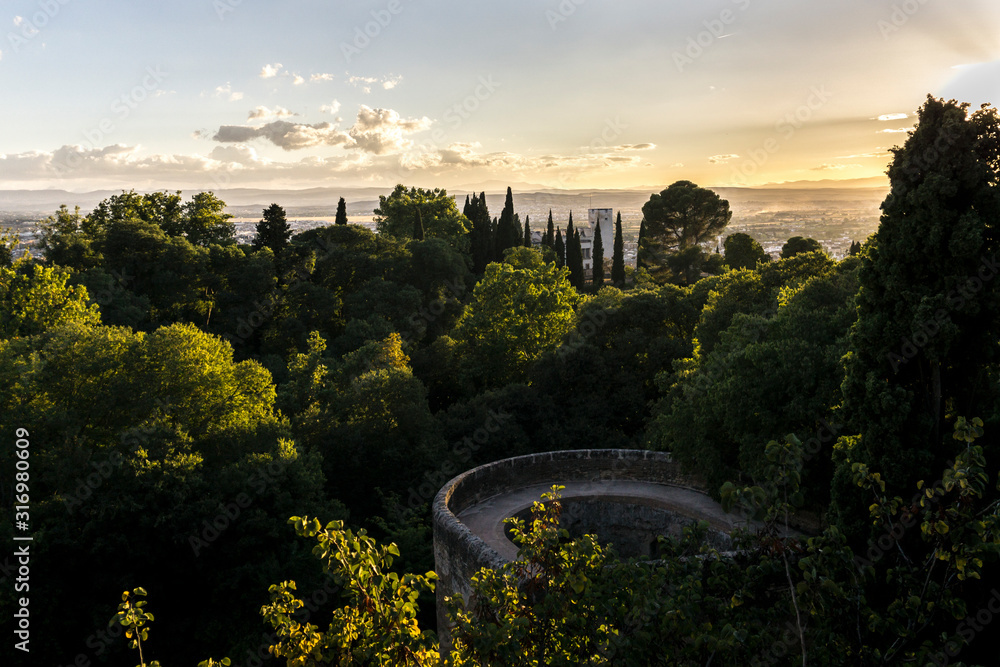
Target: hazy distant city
{"x": 833, "y": 216}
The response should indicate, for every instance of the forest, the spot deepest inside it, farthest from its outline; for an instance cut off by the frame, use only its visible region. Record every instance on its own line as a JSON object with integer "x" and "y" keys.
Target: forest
{"x": 246, "y": 439}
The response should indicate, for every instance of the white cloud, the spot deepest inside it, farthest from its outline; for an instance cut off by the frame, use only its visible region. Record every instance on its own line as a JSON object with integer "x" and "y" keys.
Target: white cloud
{"x": 227, "y": 92}
{"x": 332, "y": 107}
{"x": 298, "y": 80}
{"x": 262, "y": 112}
{"x": 892, "y": 116}
{"x": 321, "y": 77}
{"x": 366, "y": 82}
{"x": 270, "y": 71}
{"x": 722, "y": 159}
{"x": 18, "y": 20}
{"x": 381, "y": 131}
{"x": 898, "y": 130}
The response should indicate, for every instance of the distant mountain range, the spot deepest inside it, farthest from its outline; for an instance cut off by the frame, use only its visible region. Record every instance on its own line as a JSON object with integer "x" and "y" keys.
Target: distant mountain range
{"x": 244, "y": 202}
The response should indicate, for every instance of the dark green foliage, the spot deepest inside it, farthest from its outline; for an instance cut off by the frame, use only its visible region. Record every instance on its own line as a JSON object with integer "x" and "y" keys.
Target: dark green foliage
{"x": 506, "y": 232}
{"x": 560, "y": 249}
{"x": 855, "y": 249}
{"x": 574, "y": 261}
{"x": 341, "y": 217}
{"x": 549, "y": 238}
{"x": 720, "y": 407}
{"x": 798, "y": 244}
{"x": 925, "y": 341}
{"x": 418, "y": 227}
{"x": 527, "y": 232}
{"x": 273, "y": 230}
{"x": 680, "y": 217}
{"x": 597, "y": 256}
{"x": 618, "y": 255}
{"x": 742, "y": 251}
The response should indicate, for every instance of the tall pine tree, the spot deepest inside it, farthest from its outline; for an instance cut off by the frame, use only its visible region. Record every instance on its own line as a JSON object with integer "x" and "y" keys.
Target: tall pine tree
{"x": 639, "y": 253}
{"x": 560, "y": 249}
{"x": 506, "y": 234}
{"x": 618, "y": 255}
{"x": 597, "y": 276}
{"x": 273, "y": 230}
{"x": 549, "y": 238}
{"x": 527, "y": 231}
{"x": 341, "y": 218}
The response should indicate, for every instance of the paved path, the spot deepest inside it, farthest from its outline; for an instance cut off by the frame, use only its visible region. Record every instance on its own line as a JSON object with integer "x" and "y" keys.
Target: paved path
{"x": 485, "y": 519}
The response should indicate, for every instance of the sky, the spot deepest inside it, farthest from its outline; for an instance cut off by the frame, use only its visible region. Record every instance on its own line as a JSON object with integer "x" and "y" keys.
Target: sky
{"x": 214, "y": 94}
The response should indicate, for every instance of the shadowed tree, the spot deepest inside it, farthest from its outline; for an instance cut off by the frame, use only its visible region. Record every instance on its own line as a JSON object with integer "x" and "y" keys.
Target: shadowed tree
{"x": 341, "y": 218}
{"x": 680, "y": 217}
{"x": 549, "y": 238}
{"x": 418, "y": 226}
{"x": 618, "y": 256}
{"x": 743, "y": 251}
{"x": 273, "y": 230}
{"x": 597, "y": 276}
{"x": 798, "y": 244}
{"x": 560, "y": 248}
{"x": 527, "y": 232}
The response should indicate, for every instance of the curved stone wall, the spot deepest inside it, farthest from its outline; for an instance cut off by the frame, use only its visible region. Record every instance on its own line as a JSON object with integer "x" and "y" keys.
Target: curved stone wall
{"x": 468, "y": 512}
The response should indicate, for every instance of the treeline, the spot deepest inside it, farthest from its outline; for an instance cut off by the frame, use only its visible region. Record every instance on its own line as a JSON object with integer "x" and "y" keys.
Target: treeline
{"x": 187, "y": 394}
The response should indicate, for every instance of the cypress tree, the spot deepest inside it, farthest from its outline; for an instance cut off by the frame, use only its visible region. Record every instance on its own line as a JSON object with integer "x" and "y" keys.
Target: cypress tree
{"x": 518, "y": 230}
{"x": 527, "y": 231}
{"x": 597, "y": 276}
{"x": 341, "y": 218}
{"x": 560, "y": 249}
{"x": 549, "y": 238}
{"x": 418, "y": 226}
{"x": 618, "y": 255}
{"x": 506, "y": 233}
{"x": 482, "y": 240}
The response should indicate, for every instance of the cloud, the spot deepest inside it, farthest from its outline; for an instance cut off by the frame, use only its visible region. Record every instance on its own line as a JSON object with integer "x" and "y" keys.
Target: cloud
{"x": 18, "y": 20}
{"x": 836, "y": 167}
{"x": 898, "y": 130}
{"x": 321, "y": 77}
{"x": 262, "y": 112}
{"x": 270, "y": 71}
{"x": 380, "y": 131}
{"x": 332, "y": 107}
{"x": 286, "y": 135}
{"x": 298, "y": 80}
{"x": 722, "y": 159}
{"x": 877, "y": 154}
{"x": 228, "y": 92}
{"x": 366, "y": 82}
{"x": 633, "y": 147}
{"x": 892, "y": 116}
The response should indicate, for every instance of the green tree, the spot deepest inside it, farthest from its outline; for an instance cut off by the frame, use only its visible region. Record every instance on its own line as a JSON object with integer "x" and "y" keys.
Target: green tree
{"x": 516, "y": 315}
{"x": 560, "y": 249}
{"x": 34, "y": 298}
{"x": 527, "y": 232}
{"x": 679, "y": 217}
{"x": 507, "y": 236}
{"x": 396, "y": 212}
{"x": 204, "y": 221}
{"x": 549, "y": 238}
{"x": 341, "y": 217}
{"x": 418, "y": 227}
{"x": 618, "y": 255}
{"x": 799, "y": 244}
{"x": 742, "y": 251}
{"x": 597, "y": 275}
{"x": 925, "y": 342}
{"x": 273, "y": 230}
